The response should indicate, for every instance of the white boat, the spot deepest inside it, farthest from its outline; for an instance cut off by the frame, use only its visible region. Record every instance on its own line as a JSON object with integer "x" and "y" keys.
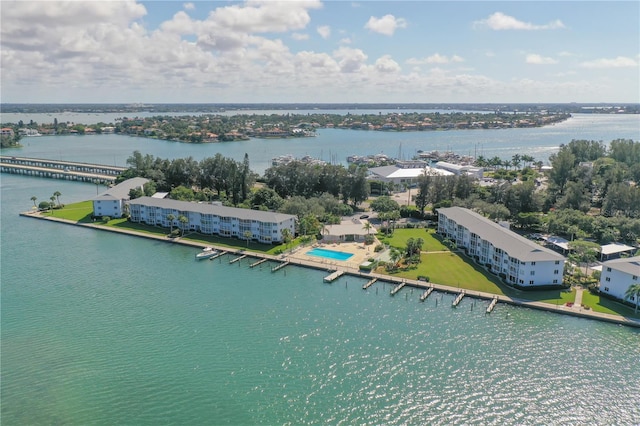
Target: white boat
{"x": 206, "y": 253}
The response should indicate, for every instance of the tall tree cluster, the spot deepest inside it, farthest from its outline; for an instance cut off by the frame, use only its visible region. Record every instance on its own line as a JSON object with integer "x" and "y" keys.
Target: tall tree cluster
{"x": 223, "y": 176}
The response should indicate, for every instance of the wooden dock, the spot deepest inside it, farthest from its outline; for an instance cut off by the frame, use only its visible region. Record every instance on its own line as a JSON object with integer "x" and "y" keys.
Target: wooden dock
{"x": 333, "y": 276}
{"x": 492, "y": 305}
{"x": 426, "y": 294}
{"x": 280, "y": 266}
{"x": 398, "y": 288}
{"x": 258, "y": 262}
{"x": 458, "y": 299}
{"x": 222, "y": 253}
{"x": 237, "y": 259}
{"x": 369, "y": 284}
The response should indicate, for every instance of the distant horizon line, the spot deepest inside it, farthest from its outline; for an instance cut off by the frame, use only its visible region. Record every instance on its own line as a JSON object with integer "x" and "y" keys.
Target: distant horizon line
{"x": 320, "y": 103}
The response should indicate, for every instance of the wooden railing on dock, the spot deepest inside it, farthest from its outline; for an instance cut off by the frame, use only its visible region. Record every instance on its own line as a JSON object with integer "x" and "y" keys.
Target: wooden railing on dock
{"x": 458, "y": 299}
{"x": 258, "y": 262}
{"x": 333, "y": 276}
{"x": 492, "y": 305}
{"x": 369, "y": 283}
{"x": 426, "y": 294}
{"x": 280, "y": 266}
{"x": 237, "y": 259}
{"x": 398, "y": 288}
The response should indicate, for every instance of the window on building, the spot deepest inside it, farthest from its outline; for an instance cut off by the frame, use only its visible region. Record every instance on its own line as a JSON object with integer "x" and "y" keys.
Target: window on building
{"x": 606, "y": 289}
{"x": 533, "y": 263}
{"x": 608, "y": 269}
{"x": 608, "y": 279}
{"x": 531, "y": 282}
{"x": 533, "y": 272}
{"x": 556, "y": 272}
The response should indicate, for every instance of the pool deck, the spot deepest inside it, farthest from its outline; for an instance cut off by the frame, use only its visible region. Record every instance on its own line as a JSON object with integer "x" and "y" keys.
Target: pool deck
{"x": 351, "y": 267}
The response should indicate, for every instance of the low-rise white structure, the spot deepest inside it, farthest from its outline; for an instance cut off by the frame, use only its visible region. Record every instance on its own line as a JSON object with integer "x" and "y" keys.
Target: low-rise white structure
{"x": 405, "y": 174}
{"x": 618, "y": 274}
{"x": 515, "y": 259}
{"x": 265, "y": 227}
{"x": 111, "y": 202}
{"x": 459, "y": 169}
{"x": 347, "y": 230}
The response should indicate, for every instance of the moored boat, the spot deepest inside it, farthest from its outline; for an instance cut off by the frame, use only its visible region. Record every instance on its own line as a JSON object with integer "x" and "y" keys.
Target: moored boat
{"x": 206, "y": 253}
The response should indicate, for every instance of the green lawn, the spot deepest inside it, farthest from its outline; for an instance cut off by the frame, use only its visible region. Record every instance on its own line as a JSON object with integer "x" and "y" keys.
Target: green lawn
{"x": 451, "y": 269}
{"x": 78, "y": 212}
{"x": 400, "y": 236}
{"x": 552, "y": 297}
{"x": 607, "y": 306}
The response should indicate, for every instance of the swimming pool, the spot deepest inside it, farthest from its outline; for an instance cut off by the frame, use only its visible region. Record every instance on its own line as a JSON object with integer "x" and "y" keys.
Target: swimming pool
{"x": 329, "y": 254}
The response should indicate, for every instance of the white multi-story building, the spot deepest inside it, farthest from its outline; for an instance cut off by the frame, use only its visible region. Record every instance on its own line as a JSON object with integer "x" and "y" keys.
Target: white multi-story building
{"x": 515, "y": 259}
{"x": 618, "y": 274}
{"x": 265, "y": 227}
{"x": 111, "y": 202}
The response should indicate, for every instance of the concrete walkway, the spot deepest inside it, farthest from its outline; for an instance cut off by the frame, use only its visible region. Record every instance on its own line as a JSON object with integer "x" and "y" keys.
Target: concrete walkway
{"x": 577, "y": 303}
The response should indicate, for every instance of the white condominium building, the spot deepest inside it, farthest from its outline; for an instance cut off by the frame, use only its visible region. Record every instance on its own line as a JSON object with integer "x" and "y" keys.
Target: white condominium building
{"x": 265, "y": 227}
{"x": 111, "y": 202}
{"x": 617, "y": 275}
{"x": 515, "y": 259}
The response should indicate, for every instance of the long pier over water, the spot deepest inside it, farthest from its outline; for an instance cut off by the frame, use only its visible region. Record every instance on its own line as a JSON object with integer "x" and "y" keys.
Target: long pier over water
{"x": 56, "y": 169}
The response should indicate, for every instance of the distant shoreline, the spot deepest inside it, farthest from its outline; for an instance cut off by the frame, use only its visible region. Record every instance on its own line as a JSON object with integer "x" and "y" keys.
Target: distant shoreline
{"x": 560, "y": 309}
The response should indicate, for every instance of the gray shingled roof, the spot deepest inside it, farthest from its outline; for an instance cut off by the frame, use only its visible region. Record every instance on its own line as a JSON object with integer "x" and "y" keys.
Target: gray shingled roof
{"x": 629, "y": 265}
{"x": 515, "y": 245}
{"x": 203, "y": 208}
{"x": 121, "y": 191}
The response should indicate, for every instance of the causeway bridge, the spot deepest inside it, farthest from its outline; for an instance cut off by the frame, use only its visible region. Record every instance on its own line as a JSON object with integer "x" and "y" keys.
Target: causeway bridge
{"x": 55, "y": 169}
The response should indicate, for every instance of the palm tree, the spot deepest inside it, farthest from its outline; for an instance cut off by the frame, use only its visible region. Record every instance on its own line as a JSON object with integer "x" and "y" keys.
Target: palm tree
{"x": 57, "y": 194}
{"x": 34, "y": 198}
{"x": 183, "y": 222}
{"x": 171, "y": 218}
{"x": 516, "y": 160}
{"x": 52, "y": 205}
{"x": 286, "y": 236}
{"x": 367, "y": 226}
{"x": 633, "y": 292}
{"x": 395, "y": 256}
{"x": 247, "y": 236}
{"x": 527, "y": 159}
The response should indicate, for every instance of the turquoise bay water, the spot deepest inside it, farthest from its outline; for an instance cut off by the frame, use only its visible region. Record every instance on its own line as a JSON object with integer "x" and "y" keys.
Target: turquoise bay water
{"x": 329, "y": 254}
{"x": 109, "y": 329}
{"x": 334, "y": 145}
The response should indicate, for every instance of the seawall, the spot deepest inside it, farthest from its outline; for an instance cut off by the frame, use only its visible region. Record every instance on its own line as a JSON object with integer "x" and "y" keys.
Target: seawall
{"x": 560, "y": 309}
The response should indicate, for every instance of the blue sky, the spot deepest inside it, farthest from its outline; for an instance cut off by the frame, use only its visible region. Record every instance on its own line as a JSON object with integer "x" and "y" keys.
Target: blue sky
{"x": 320, "y": 51}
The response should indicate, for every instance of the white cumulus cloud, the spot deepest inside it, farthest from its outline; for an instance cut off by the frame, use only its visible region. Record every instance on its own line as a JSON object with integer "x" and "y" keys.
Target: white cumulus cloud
{"x": 324, "y": 31}
{"x": 618, "y": 62}
{"x": 387, "y": 65}
{"x": 534, "y": 58}
{"x": 500, "y": 21}
{"x": 387, "y": 25}
{"x": 436, "y": 58}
